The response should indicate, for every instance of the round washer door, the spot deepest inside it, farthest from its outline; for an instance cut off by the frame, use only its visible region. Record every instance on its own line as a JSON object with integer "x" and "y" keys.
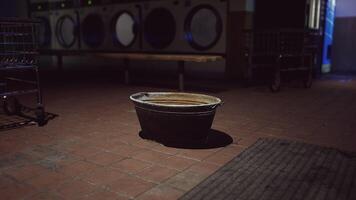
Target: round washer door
{"x": 203, "y": 27}
{"x": 124, "y": 29}
{"x": 93, "y": 30}
{"x": 65, "y": 31}
{"x": 160, "y": 28}
{"x": 44, "y": 32}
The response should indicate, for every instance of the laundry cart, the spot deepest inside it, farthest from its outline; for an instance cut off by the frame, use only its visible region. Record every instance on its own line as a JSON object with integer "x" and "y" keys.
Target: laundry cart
{"x": 19, "y": 75}
{"x": 280, "y": 54}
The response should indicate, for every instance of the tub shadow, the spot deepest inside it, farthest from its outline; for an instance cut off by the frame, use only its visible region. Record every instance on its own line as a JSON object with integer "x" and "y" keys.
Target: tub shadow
{"x": 215, "y": 139}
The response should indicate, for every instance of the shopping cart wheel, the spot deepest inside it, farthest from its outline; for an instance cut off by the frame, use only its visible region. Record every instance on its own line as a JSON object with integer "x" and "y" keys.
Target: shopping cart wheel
{"x": 276, "y": 82}
{"x": 41, "y": 116}
{"x": 11, "y": 106}
{"x": 308, "y": 80}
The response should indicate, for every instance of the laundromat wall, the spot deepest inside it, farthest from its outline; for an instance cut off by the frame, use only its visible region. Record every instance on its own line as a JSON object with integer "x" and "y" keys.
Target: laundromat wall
{"x": 344, "y": 48}
{"x": 239, "y": 17}
{"x": 13, "y": 8}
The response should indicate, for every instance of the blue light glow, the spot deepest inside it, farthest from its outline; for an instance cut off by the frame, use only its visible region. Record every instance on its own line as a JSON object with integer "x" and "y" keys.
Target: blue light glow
{"x": 328, "y": 38}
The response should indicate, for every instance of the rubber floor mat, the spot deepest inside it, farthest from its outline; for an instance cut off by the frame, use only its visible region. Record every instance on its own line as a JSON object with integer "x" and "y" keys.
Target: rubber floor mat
{"x": 280, "y": 169}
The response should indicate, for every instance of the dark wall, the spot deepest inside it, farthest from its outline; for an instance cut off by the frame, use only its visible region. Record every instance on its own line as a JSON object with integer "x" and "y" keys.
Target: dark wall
{"x": 279, "y": 14}
{"x": 344, "y": 46}
{"x": 345, "y": 8}
{"x": 13, "y": 8}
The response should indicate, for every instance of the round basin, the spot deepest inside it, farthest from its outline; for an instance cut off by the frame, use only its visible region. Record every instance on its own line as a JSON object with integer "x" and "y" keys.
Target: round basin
{"x": 175, "y": 117}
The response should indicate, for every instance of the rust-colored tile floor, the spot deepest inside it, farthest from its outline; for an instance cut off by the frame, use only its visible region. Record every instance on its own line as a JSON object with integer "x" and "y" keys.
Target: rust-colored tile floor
{"x": 93, "y": 151}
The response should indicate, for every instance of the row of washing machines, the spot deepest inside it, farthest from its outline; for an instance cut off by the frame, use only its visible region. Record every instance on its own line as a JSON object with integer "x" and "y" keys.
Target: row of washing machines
{"x": 165, "y": 26}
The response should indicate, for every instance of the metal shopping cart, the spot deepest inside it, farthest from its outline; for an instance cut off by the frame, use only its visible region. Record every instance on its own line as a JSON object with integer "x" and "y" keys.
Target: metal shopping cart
{"x": 19, "y": 75}
{"x": 281, "y": 51}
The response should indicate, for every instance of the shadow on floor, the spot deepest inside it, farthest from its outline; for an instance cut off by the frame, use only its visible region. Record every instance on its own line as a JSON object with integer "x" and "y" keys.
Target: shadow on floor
{"x": 215, "y": 139}
{"x": 26, "y": 117}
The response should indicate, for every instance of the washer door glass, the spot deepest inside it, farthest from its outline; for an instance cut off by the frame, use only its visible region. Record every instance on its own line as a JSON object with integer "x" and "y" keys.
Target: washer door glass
{"x": 93, "y": 30}
{"x": 65, "y": 31}
{"x": 160, "y": 28}
{"x": 44, "y": 32}
{"x": 203, "y": 27}
{"x": 125, "y": 29}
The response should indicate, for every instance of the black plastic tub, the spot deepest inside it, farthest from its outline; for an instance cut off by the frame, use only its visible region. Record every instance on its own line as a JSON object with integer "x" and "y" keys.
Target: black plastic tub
{"x": 175, "y": 117}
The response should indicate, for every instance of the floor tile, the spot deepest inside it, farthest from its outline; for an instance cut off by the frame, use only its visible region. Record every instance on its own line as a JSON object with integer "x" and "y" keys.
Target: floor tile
{"x": 46, "y": 196}
{"x": 103, "y": 176}
{"x": 78, "y": 168}
{"x": 91, "y": 138}
{"x": 130, "y": 186}
{"x": 125, "y": 150}
{"x": 152, "y": 156}
{"x": 178, "y": 163}
{"x": 167, "y": 150}
{"x": 131, "y": 165}
{"x": 185, "y": 180}
{"x": 220, "y": 158}
{"x": 197, "y": 154}
{"x": 48, "y": 181}
{"x": 104, "y": 195}
{"x": 105, "y": 158}
{"x": 85, "y": 151}
{"x": 157, "y": 173}
{"x": 17, "y": 191}
{"x": 26, "y": 172}
{"x": 204, "y": 168}
{"x": 76, "y": 189}
{"x": 161, "y": 192}
{"x": 6, "y": 180}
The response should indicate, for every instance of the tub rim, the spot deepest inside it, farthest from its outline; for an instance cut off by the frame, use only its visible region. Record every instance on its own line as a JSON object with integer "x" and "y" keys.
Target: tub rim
{"x": 213, "y": 105}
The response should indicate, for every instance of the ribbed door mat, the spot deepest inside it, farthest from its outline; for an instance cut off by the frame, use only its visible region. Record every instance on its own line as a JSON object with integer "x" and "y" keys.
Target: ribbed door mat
{"x": 279, "y": 169}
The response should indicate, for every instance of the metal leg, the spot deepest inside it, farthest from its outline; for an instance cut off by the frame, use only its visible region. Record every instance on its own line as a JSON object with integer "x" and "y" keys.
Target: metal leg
{"x": 40, "y": 111}
{"x": 248, "y": 69}
{"x": 181, "y": 75}
{"x": 127, "y": 71}
{"x": 39, "y": 92}
{"x": 308, "y": 79}
{"x": 275, "y": 85}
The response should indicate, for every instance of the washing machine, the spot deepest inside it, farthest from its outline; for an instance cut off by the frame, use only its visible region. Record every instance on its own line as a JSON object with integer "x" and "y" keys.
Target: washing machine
{"x": 95, "y": 25}
{"x": 66, "y": 26}
{"x": 125, "y": 22}
{"x": 40, "y": 10}
{"x": 205, "y": 26}
{"x": 160, "y": 28}
{"x": 185, "y": 26}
